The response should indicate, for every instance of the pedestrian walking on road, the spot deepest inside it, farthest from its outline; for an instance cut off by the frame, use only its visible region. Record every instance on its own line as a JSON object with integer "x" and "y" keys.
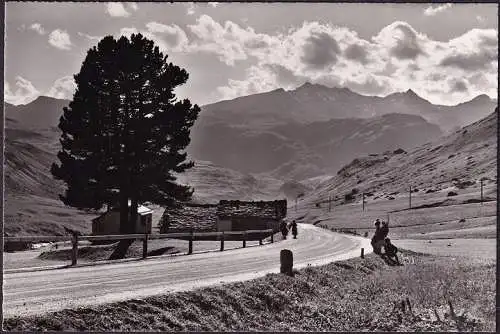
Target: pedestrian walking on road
{"x": 284, "y": 229}
{"x": 294, "y": 229}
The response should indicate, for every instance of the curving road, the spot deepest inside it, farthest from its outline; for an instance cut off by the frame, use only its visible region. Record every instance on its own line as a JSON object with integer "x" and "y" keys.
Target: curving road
{"x": 27, "y": 293}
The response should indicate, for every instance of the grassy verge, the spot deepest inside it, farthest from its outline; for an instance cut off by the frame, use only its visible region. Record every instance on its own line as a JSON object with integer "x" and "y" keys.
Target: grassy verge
{"x": 353, "y": 295}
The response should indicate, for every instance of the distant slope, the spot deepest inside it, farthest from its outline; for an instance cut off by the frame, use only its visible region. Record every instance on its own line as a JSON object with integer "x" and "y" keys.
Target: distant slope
{"x": 43, "y": 112}
{"x": 467, "y": 154}
{"x": 298, "y": 151}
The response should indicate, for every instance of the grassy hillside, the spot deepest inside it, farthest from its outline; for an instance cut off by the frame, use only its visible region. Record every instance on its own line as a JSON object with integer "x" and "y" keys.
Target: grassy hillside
{"x": 353, "y": 295}
{"x": 452, "y": 163}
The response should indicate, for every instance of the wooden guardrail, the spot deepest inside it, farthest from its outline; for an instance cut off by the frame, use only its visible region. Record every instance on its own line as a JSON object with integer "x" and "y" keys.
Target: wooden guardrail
{"x": 190, "y": 237}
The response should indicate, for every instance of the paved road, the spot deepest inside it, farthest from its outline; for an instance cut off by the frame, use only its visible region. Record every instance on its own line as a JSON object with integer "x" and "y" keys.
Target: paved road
{"x": 51, "y": 290}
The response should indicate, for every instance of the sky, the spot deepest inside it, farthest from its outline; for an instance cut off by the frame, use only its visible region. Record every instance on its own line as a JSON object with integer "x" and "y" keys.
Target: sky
{"x": 446, "y": 53}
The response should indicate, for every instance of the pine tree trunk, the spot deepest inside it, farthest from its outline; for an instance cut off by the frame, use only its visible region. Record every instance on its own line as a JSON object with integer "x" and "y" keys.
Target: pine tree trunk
{"x": 125, "y": 226}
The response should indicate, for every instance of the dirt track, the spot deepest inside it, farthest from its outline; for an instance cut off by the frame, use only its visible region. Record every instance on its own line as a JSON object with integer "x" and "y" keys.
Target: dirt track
{"x": 50, "y": 290}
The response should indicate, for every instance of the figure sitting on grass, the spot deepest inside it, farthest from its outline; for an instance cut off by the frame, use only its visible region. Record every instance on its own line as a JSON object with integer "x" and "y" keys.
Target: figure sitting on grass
{"x": 390, "y": 251}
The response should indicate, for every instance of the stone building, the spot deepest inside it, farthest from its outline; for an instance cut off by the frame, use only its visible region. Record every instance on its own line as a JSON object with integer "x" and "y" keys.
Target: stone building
{"x": 224, "y": 216}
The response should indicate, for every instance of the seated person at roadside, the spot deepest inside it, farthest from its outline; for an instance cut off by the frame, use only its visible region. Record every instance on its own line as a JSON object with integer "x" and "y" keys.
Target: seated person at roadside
{"x": 390, "y": 250}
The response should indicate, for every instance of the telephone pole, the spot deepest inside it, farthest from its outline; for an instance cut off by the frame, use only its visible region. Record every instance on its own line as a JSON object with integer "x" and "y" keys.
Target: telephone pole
{"x": 481, "y": 191}
{"x": 410, "y": 197}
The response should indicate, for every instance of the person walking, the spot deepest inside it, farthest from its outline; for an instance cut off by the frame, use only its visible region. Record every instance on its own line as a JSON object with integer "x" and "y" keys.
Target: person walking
{"x": 284, "y": 229}
{"x": 294, "y": 229}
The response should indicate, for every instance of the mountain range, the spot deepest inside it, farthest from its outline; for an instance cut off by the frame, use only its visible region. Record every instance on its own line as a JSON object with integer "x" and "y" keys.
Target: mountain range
{"x": 246, "y": 151}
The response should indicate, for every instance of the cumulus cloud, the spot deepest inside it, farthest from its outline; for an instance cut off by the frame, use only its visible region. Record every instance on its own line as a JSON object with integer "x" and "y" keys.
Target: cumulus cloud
{"x": 190, "y": 9}
{"x": 458, "y": 85}
{"x": 396, "y": 59}
{"x": 89, "y": 37}
{"x": 38, "y": 28}
{"x": 230, "y": 42}
{"x": 60, "y": 39}
{"x": 117, "y": 9}
{"x": 174, "y": 37}
{"x": 320, "y": 51}
{"x": 431, "y": 11}
{"x": 475, "y": 50}
{"x": 24, "y": 91}
{"x": 167, "y": 37}
{"x": 402, "y": 41}
{"x": 356, "y": 52}
{"x": 63, "y": 88}
{"x": 133, "y": 6}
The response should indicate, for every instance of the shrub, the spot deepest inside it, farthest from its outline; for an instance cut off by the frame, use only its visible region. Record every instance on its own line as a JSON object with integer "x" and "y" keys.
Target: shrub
{"x": 452, "y": 193}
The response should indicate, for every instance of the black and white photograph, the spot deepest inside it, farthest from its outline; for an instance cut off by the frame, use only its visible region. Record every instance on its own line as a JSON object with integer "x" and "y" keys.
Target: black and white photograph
{"x": 250, "y": 166}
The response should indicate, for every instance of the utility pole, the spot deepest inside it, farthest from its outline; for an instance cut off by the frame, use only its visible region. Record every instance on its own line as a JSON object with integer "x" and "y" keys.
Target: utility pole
{"x": 329, "y": 203}
{"x": 296, "y": 198}
{"x": 410, "y": 197}
{"x": 363, "y": 201}
{"x": 481, "y": 191}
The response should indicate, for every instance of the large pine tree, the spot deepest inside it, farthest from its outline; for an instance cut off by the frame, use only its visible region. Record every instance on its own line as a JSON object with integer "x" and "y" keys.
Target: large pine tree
{"x": 124, "y": 133}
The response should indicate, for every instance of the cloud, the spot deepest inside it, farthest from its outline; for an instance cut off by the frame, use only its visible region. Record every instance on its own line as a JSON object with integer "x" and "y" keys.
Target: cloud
{"x": 396, "y": 59}
{"x": 24, "y": 92}
{"x": 190, "y": 9}
{"x": 458, "y": 85}
{"x": 63, "y": 88}
{"x": 356, "y": 52}
{"x": 475, "y": 50}
{"x": 133, "y": 6}
{"x": 213, "y": 4}
{"x": 38, "y": 28}
{"x": 60, "y": 39}
{"x": 431, "y": 11}
{"x": 116, "y": 9}
{"x": 172, "y": 35}
{"x": 402, "y": 41}
{"x": 89, "y": 37}
{"x": 320, "y": 51}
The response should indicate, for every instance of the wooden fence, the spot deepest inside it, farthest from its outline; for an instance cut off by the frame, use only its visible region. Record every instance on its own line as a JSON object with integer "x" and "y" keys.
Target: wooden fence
{"x": 243, "y": 236}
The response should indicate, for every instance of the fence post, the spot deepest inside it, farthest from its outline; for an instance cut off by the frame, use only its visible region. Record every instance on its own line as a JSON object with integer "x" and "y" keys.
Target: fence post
{"x": 286, "y": 262}
{"x": 362, "y": 253}
{"x": 260, "y": 242}
{"x": 272, "y": 236}
{"x": 244, "y": 239}
{"x": 222, "y": 242}
{"x": 74, "y": 250}
{"x": 145, "y": 246}
{"x": 191, "y": 237}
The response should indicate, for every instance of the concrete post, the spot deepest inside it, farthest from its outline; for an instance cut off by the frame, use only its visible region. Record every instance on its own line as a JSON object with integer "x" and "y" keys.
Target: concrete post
{"x": 286, "y": 261}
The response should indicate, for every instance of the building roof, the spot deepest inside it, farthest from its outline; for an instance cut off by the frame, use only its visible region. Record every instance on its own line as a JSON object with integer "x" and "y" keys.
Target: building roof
{"x": 244, "y": 209}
